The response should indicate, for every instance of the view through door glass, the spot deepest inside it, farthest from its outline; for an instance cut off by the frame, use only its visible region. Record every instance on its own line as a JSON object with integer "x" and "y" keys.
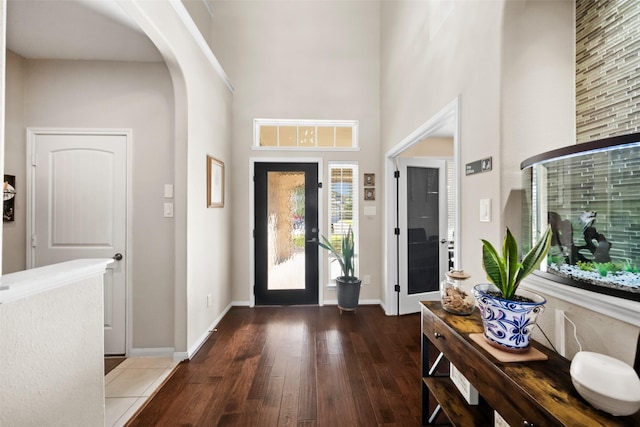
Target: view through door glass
{"x": 423, "y": 222}
{"x": 286, "y": 229}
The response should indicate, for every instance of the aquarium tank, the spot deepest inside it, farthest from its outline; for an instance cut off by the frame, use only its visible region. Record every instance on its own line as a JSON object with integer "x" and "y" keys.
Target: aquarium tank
{"x": 590, "y": 196}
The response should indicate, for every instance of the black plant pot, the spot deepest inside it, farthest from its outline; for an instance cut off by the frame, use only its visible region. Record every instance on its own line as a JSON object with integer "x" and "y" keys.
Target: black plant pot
{"x": 348, "y": 293}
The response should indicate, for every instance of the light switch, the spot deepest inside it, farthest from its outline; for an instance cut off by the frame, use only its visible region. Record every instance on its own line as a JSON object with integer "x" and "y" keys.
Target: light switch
{"x": 168, "y": 191}
{"x": 370, "y": 211}
{"x": 168, "y": 210}
{"x": 485, "y": 210}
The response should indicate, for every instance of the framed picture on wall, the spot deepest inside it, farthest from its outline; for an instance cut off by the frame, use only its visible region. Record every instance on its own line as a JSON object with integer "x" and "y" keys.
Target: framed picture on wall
{"x": 8, "y": 198}
{"x": 215, "y": 183}
{"x": 369, "y": 193}
{"x": 370, "y": 179}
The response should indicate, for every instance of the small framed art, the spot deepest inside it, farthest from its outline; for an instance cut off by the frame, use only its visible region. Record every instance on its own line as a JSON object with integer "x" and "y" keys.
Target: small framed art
{"x": 370, "y": 179}
{"x": 369, "y": 193}
{"x": 8, "y": 198}
{"x": 215, "y": 183}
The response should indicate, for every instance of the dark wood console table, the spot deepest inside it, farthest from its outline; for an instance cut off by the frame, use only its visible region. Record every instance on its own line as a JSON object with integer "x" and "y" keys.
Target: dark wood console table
{"x": 534, "y": 393}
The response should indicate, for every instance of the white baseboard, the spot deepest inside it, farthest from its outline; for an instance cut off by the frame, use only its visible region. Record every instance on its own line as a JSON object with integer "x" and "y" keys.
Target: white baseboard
{"x": 370, "y": 302}
{"x": 361, "y": 302}
{"x": 200, "y": 341}
{"x": 240, "y": 303}
{"x": 326, "y": 302}
{"x": 151, "y": 352}
{"x": 179, "y": 356}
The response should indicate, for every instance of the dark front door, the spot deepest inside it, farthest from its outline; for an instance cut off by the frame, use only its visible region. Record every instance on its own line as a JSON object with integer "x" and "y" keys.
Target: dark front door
{"x": 286, "y": 230}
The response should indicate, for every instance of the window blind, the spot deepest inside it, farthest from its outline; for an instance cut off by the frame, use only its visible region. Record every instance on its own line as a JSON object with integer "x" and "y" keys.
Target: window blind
{"x": 343, "y": 209}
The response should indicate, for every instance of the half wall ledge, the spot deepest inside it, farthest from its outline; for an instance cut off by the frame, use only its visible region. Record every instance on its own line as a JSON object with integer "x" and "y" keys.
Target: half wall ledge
{"x": 23, "y": 284}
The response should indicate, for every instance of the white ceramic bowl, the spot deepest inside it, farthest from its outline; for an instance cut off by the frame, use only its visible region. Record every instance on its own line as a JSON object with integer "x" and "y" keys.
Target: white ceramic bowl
{"x": 606, "y": 383}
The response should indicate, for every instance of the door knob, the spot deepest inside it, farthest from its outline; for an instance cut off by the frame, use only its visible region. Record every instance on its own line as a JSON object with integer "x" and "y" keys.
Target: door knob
{"x": 443, "y": 241}
{"x": 313, "y": 240}
{"x": 117, "y": 256}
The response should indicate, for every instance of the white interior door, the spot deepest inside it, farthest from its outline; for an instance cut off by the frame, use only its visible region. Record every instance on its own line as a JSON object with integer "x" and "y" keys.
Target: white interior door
{"x": 424, "y": 247}
{"x": 79, "y": 210}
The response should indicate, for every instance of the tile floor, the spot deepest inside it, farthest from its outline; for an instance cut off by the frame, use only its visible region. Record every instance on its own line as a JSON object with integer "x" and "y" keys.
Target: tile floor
{"x": 130, "y": 384}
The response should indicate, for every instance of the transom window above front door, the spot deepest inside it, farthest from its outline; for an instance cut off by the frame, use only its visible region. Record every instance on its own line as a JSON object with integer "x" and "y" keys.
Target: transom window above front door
{"x": 305, "y": 134}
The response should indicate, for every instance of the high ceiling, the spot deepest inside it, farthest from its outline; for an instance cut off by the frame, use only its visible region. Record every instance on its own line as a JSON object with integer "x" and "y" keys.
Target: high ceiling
{"x": 75, "y": 29}
{"x": 85, "y": 30}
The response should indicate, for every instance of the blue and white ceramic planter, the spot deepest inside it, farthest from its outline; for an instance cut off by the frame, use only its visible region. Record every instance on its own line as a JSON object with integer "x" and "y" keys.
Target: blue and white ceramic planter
{"x": 508, "y": 324}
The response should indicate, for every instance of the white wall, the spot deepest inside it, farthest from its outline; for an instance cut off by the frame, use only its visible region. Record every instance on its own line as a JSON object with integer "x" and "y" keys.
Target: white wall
{"x": 430, "y": 147}
{"x": 301, "y": 60}
{"x": 433, "y": 52}
{"x": 538, "y": 90}
{"x": 102, "y": 94}
{"x": 179, "y": 113}
{"x": 51, "y": 355}
{"x": 209, "y": 237}
{"x": 199, "y": 12}
{"x": 14, "y": 250}
{"x": 202, "y": 126}
{"x": 3, "y": 45}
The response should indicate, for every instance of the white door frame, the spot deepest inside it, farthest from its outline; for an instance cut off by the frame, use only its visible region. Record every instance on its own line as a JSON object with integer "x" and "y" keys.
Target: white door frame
{"x": 432, "y": 127}
{"x": 252, "y": 208}
{"x": 32, "y": 134}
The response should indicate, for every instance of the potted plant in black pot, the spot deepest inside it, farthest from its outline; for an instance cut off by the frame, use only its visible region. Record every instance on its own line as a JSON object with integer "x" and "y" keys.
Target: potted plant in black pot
{"x": 509, "y": 314}
{"x": 348, "y": 286}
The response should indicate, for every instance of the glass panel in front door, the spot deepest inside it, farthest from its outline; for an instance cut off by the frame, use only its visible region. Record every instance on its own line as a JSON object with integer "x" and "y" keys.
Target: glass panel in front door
{"x": 285, "y": 230}
{"x": 423, "y": 223}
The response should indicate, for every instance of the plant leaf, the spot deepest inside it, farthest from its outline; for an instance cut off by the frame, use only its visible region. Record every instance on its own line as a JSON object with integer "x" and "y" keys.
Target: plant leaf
{"x": 512, "y": 266}
{"x": 536, "y": 254}
{"x": 346, "y": 255}
{"x": 505, "y": 271}
{"x": 492, "y": 264}
{"x": 326, "y": 244}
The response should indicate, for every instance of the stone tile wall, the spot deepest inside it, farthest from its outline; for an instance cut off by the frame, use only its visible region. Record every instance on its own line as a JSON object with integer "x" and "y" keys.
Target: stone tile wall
{"x": 607, "y": 68}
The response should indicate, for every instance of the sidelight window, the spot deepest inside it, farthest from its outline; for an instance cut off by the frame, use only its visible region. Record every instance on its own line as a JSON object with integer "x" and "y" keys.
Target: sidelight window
{"x": 343, "y": 210}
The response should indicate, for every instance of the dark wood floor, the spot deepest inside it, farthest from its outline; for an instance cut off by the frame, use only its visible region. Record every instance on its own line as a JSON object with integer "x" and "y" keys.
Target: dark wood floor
{"x": 110, "y": 363}
{"x": 297, "y": 366}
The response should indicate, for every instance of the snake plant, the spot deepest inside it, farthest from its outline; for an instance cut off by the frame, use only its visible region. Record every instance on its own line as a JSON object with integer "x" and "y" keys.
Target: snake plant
{"x": 505, "y": 271}
{"x": 345, "y": 255}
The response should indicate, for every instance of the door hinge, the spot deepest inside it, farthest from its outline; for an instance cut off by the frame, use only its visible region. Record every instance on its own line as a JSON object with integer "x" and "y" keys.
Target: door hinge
{"x": 34, "y": 240}
{"x": 319, "y": 185}
{"x": 254, "y": 233}
{"x": 34, "y": 162}
{"x": 397, "y": 288}
{"x": 396, "y": 174}
{"x": 396, "y": 231}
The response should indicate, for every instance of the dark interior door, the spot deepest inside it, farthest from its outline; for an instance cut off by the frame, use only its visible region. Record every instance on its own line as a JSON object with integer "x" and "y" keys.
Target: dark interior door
{"x": 286, "y": 230}
{"x": 423, "y": 223}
